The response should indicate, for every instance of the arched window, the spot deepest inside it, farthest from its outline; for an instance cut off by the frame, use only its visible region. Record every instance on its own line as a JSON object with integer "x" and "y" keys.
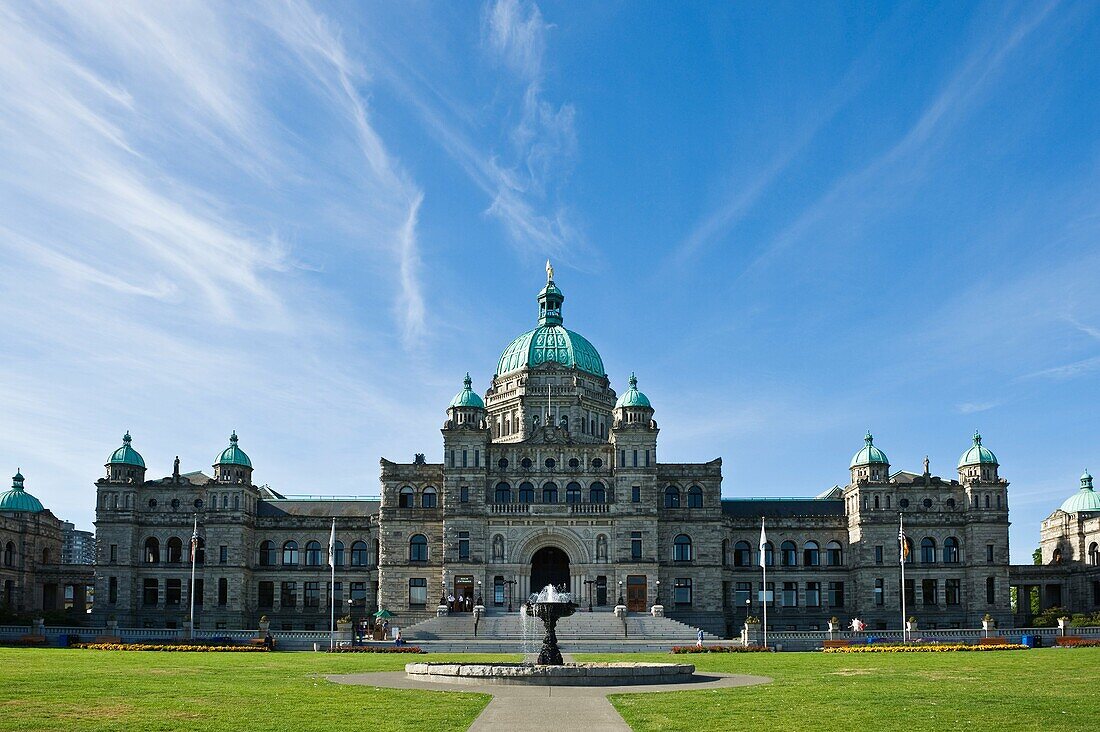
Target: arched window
{"x": 526, "y": 493}
{"x": 811, "y": 555}
{"x": 427, "y": 498}
{"x": 236, "y": 503}
{"x": 338, "y": 554}
{"x": 225, "y": 501}
{"x": 927, "y": 550}
{"x": 504, "y": 493}
{"x": 498, "y": 548}
{"x": 550, "y": 493}
{"x": 597, "y": 493}
{"x": 681, "y": 548}
{"x": 951, "y": 550}
{"x": 695, "y": 497}
{"x": 887, "y": 503}
{"x": 672, "y": 497}
{"x": 46, "y": 555}
{"x": 987, "y": 500}
{"x": 405, "y": 497}
{"x": 313, "y": 554}
{"x": 601, "y": 548}
{"x": 267, "y": 553}
{"x": 360, "y": 557}
{"x": 1094, "y": 554}
{"x": 788, "y": 554}
{"x": 876, "y": 503}
{"x": 9, "y": 556}
{"x": 834, "y": 554}
{"x": 418, "y": 548}
{"x": 769, "y": 554}
{"x": 290, "y": 554}
{"x": 1056, "y": 557}
{"x": 742, "y": 554}
{"x": 573, "y": 493}
{"x": 152, "y": 550}
{"x": 175, "y": 550}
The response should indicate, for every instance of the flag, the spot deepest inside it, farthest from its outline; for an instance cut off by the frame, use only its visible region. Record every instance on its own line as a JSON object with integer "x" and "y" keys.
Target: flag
{"x": 763, "y": 543}
{"x": 903, "y": 543}
{"x": 332, "y": 546}
{"x": 195, "y": 542}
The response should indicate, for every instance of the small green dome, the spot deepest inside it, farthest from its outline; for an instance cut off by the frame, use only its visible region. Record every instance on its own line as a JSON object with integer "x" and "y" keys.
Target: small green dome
{"x": 1084, "y": 500}
{"x": 17, "y": 499}
{"x": 467, "y": 397}
{"x": 869, "y": 454}
{"x": 977, "y": 454}
{"x": 632, "y": 397}
{"x": 126, "y": 455}
{"x": 233, "y": 455}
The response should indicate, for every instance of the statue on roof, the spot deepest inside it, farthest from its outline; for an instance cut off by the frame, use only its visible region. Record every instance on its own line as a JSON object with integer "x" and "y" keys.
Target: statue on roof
{"x": 926, "y": 471}
{"x": 549, "y": 271}
{"x": 176, "y": 469}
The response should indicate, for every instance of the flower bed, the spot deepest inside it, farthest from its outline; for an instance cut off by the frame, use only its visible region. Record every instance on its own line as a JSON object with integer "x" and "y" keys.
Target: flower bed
{"x": 926, "y": 648}
{"x": 193, "y": 648}
{"x": 720, "y": 649}
{"x": 1071, "y": 641}
{"x": 377, "y": 649}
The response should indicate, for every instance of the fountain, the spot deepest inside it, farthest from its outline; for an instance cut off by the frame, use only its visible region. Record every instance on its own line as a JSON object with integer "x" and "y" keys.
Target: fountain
{"x": 550, "y": 605}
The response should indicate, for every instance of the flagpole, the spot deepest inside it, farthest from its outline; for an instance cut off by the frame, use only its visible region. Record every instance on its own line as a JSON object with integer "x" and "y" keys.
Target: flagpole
{"x": 901, "y": 555}
{"x": 332, "y": 586}
{"x": 194, "y": 550}
{"x": 764, "y": 571}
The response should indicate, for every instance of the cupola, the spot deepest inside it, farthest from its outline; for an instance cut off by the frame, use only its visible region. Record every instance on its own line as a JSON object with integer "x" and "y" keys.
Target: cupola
{"x": 126, "y": 464}
{"x": 1085, "y": 500}
{"x": 233, "y": 465}
{"x": 17, "y": 500}
{"x": 978, "y": 462}
{"x": 870, "y": 463}
{"x": 467, "y": 408}
{"x": 633, "y": 406}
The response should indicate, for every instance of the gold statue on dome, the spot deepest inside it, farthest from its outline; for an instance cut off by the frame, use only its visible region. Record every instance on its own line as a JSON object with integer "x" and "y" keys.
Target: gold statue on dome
{"x": 549, "y": 271}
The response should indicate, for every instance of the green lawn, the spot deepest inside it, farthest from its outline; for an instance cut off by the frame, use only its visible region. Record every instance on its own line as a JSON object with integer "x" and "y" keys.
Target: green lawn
{"x": 62, "y": 689}
{"x": 1051, "y": 689}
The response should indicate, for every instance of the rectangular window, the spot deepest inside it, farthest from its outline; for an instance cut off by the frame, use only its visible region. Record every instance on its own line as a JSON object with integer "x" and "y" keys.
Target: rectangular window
{"x": 266, "y": 594}
{"x": 878, "y": 555}
{"x": 418, "y": 592}
{"x": 622, "y": 458}
{"x": 989, "y": 553}
{"x": 681, "y": 592}
{"x": 498, "y": 591}
{"x": 223, "y": 554}
{"x": 223, "y": 591}
{"x": 836, "y": 594}
{"x": 813, "y": 594}
{"x": 197, "y": 591}
{"x": 464, "y": 453}
{"x": 790, "y": 594}
{"x": 635, "y": 494}
{"x": 991, "y": 591}
{"x": 952, "y": 591}
{"x": 647, "y": 458}
{"x": 464, "y": 494}
{"x": 173, "y": 592}
{"x": 112, "y": 590}
{"x": 288, "y": 595}
{"x": 311, "y": 594}
{"x": 477, "y": 458}
{"x": 635, "y": 545}
{"x": 451, "y": 459}
{"x": 463, "y": 545}
{"x": 337, "y": 595}
{"x": 767, "y": 594}
{"x": 742, "y": 594}
{"x": 150, "y": 592}
{"x": 910, "y": 593}
{"x": 635, "y": 458}
{"x": 879, "y": 600}
{"x": 114, "y": 553}
{"x": 928, "y": 591}
{"x": 358, "y": 594}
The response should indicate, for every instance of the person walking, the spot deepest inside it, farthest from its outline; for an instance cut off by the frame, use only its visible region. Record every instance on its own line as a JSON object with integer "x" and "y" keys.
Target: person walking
{"x": 699, "y": 639}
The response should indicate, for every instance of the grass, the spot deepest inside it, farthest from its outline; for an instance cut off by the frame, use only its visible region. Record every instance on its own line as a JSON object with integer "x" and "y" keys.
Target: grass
{"x": 60, "y": 689}
{"x": 1041, "y": 689}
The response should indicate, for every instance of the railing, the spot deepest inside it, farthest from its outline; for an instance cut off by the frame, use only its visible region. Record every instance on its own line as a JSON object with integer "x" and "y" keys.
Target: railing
{"x": 509, "y": 508}
{"x": 589, "y": 508}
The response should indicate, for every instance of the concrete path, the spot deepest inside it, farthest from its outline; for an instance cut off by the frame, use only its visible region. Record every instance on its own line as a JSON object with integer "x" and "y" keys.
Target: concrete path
{"x": 571, "y": 707}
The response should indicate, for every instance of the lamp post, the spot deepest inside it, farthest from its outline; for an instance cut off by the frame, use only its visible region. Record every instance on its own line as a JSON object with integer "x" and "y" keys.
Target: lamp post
{"x": 479, "y": 600}
{"x": 354, "y": 632}
{"x": 621, "y": 593}
{"x": 510, "y": 583}
{"x": 588, "y": 584}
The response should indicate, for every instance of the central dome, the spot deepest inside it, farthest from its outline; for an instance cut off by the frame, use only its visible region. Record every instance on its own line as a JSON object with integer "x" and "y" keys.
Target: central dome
{"x": 551, "y": 341}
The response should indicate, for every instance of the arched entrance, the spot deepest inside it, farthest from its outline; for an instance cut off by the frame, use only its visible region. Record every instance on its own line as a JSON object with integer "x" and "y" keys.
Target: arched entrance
{"x": 549, "y": 566}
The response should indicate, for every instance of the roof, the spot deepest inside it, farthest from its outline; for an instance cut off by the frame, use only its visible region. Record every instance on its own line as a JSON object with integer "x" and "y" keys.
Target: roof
{"x": 318, "y": 506}
{"x": 869, "y": 454}
{"x": 632, "y": 397}
{"x": 126, "y": 455}
{"x": 781, "y": 507}
{"x": 233, "y": 455}
{"x": 17, "y": 500}
{"x": 1086, "y": 500}
{"x": 467, "y": 397}
{"x": 977, "y": 454}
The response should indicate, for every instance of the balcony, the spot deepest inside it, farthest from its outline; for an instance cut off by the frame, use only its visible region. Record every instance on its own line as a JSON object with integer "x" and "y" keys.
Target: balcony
{"x": 509, "y": 508}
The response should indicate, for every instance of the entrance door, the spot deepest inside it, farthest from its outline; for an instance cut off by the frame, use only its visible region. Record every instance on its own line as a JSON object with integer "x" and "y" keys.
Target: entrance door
{"x": 636, "y": 593}
{"x": 549, "y": 566}
{"x": 464, "y": 591}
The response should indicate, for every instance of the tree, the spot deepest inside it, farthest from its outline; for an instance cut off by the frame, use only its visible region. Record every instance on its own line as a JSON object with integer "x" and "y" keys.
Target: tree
{"x": 1037, "y": 556}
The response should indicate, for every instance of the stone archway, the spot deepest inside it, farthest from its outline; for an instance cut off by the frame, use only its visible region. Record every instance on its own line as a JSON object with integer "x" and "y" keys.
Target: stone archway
{"x": 549, "y": 566}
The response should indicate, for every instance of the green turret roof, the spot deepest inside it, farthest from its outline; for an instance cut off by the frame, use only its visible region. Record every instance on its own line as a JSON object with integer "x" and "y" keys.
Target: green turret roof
{"x": 869, "y": 454}
{"x": 1084, "y": 500}
{"x": 632, "y": 397}
{"x": 467, "y": 397}
{"x": 977, "y": 454}
{"x": 17, "y": 499}
{"x": 551, "y": 342}
{"x": 126, "y": 455}
{"x": 233, "y": 455}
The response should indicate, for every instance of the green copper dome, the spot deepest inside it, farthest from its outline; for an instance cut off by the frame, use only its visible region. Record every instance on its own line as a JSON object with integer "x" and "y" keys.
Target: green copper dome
{"x": 1084, "y": 500}
{"x": 551, "y": 341}
{"x": 126, "y": 455}
{"x": 632, "y": 397}
{"x": 978, "y": 455}
{"x": 18, "y": 499}
{"x": 467, "y": 397}
{"x": 869, "y": 454}
{"x": 233, "y": 455}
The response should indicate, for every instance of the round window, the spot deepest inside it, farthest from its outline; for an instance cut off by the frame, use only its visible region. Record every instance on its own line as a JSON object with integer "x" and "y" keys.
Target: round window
{"x": 904, "y": 503}
{"x": 502, "y": 463}
{"x": 597, "y": 463}
{"x": 574, "y": 463}
{"x": 175, "y": 503}
{"x": 950, "y": 502}
{"x": 550, "y": 462}
{"x": 152, "y": 503}
{"x": 525, "y": 462}
{"x": 198, "y": 503}
{"x": 927, "y": 502}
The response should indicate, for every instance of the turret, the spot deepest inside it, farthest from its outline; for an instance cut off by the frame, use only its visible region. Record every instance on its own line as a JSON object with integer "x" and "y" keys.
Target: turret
{"x": 978, "y": 463}
{"x": 233, "y": 465}
{"x": 17, "y": 500}
{"x": 125, "y": 464}
{"x": 634, "y": 432}
{"x": 466, "y": 408}
{"x": 870, "y": 464}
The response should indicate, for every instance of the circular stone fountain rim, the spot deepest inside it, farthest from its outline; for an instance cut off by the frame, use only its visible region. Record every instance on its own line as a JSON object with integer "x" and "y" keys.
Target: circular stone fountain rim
{"x": 570, "y": 674}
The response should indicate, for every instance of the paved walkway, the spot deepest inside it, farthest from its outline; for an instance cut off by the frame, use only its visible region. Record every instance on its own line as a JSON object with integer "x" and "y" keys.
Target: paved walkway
{"x": 570, "y": 707}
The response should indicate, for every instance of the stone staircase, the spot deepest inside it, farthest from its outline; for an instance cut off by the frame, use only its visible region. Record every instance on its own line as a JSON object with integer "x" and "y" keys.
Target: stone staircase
{"x": 581, "y": 627}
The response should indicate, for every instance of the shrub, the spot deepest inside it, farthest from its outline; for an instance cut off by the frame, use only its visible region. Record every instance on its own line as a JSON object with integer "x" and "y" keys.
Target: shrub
{"x": 925, "y": 648}
{"x": 720, "y": 649}
{"x": 377, "y": 649}
{"x": 193, "y": 648}
{"x": 1075, "y": 642}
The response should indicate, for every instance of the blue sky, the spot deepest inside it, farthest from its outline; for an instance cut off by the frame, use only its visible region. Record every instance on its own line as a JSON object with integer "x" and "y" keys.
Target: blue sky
{"x": 306, "y": 222}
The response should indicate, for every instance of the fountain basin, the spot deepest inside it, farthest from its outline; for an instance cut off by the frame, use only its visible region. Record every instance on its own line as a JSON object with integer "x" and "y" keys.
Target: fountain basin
{"x": 569, "y": 674}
